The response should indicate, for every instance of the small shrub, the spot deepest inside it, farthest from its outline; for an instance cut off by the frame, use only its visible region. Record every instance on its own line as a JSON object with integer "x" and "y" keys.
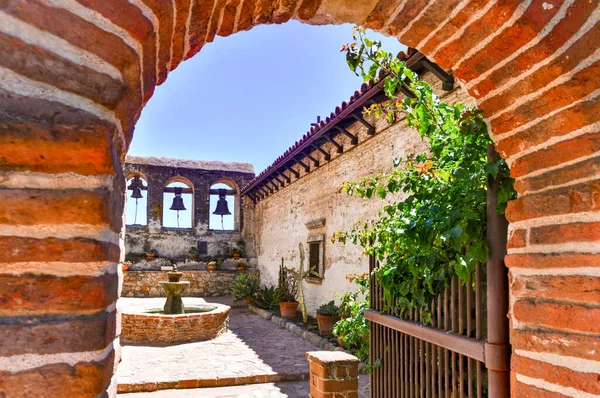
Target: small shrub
{"x": 244, "y": 286}
{"x": 266, "y": 298}
{"x": 329, "y": 309}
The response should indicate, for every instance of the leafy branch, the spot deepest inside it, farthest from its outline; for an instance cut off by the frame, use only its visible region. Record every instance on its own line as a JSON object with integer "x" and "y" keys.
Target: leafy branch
{"x": 438, "y": 229}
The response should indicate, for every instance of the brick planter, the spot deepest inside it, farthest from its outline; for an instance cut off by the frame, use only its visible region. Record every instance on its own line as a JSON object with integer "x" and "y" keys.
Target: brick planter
{"x": 141, "y": 327}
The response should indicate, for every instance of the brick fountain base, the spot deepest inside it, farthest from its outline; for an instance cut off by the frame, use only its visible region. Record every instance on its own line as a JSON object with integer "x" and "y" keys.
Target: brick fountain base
{"x": 142, "y": 324}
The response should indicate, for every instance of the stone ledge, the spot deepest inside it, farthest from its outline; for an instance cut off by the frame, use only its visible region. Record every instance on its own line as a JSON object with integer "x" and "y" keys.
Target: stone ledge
{"x": 311, "y": 337}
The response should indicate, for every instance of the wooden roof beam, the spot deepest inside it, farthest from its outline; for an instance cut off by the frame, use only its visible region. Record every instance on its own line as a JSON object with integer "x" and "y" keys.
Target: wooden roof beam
{"x": 315, "y": 161}
{"x": 285, "y": 177}
{"x": 325, "y": 154}
{"x": 369, "y": 126}
{"x": 304, "y": 165}
{"x": 353, "y": 138}
{"x": 294, "y": 172}
{"x": 339, "y": 148}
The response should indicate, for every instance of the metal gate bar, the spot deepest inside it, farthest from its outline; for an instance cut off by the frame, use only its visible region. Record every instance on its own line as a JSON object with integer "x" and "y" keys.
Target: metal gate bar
{"x": 465, "y": 351}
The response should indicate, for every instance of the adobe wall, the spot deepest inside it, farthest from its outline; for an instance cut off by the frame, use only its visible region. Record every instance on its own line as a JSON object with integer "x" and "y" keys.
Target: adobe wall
{"x": 280, "y": 219}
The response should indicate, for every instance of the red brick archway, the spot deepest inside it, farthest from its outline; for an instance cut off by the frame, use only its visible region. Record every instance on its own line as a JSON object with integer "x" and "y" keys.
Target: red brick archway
{"x": 74, "y": 75}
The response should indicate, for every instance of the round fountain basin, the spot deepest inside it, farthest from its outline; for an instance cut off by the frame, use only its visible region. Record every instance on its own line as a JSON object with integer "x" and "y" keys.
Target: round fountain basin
{"x": 148, "y": 324}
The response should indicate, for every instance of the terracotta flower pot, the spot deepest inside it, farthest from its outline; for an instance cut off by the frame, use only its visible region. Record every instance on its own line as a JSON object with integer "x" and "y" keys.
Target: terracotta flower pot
{"x": 288, "y": 309}
{"x": 211, "y": 267}
{"x": 248, "y": 300}
{"x": 241, "y": 267}
{"x": 125, "y": 267}
{"x": 236, "y": 255}
{"x": 326, "y": 324}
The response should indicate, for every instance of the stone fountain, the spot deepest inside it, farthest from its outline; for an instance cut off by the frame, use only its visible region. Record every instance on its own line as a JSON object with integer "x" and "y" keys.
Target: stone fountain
{"x": 174, "y": 288}
{"x": 174, "y": 323}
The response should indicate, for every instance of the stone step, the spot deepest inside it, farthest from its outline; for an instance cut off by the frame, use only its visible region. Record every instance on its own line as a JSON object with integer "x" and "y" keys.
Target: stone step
{"x": 298, "y": 389}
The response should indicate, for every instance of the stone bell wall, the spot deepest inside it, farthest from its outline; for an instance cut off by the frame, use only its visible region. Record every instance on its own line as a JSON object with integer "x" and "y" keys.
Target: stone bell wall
{"x": 201, "y": 175}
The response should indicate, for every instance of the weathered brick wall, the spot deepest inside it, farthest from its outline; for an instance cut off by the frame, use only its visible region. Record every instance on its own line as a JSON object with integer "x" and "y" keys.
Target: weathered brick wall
{"x": 203, "y": 283}
{"x": 280, "y": 219}
{"x": 76, "y": 74}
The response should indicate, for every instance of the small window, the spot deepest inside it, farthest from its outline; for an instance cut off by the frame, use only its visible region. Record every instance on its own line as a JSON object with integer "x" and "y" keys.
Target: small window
{"x": 314, "y": 259}
{"x": 137, "y": 202}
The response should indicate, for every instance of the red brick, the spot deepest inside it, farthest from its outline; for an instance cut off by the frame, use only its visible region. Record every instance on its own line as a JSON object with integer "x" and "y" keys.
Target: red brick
{"x": 263, "y": 12}
{"x": 586, "y": 169}
{"x": 408, "y": 13}
{"x": 308, "y": 9}
{"x": 560, "y": 124}
{"x": 246, "y": 13}
{"x": 556, "y": 342}
{"x": 51, "y": 335}
{"x": 15, "y": 249}
{"x": 181, "y": 12}
{"x": 227, "y": 18}
{"x": 163, "y": 10}
{"x": 576, "y": 88}
{"x": 478, "y": 31}
{"x": 35, "y": 207}
{"x": 517, "y": 238}
{"x": 47, "y": 295}
{"x": 574, "y": 199}
{"x": 557, "y": 316}
{"x": 587, "y": 382}
{"x": 61, "y": 380}
{"x": 577, "y": 232}
{"x": 41, "y": 65}
{"x": 575, "y": 289}
{"x": 429, "y": 21}
{"x": 129, "y": 17}
{"x": 556, "y": 154}
{"x": 284, "y": 11}
{"x": 576, "y": 15}
{"x": 522, "y": 390}
{"x": 454, "y": 24}
{"x": 201, "y": 14}
{"x": 552, "y": 260}
{"x": 509, "y": 41}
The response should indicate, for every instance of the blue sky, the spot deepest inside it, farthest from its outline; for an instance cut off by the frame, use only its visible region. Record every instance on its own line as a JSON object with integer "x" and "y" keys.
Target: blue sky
{"x": 249, "y": 96}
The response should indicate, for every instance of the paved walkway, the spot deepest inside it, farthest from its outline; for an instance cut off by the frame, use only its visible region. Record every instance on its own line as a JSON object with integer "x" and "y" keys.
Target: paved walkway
{"x": 253, "y": 351}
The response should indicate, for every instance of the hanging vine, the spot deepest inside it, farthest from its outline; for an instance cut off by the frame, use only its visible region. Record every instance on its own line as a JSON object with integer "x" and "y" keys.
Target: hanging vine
{"x": 439, "y": 229}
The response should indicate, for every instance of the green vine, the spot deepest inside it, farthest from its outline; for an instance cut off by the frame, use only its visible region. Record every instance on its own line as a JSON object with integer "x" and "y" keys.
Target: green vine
{"x": 438, "y": 228}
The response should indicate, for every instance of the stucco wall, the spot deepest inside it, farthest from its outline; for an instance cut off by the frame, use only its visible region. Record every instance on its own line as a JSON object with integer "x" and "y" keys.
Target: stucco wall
{"x": 279, "y": 220}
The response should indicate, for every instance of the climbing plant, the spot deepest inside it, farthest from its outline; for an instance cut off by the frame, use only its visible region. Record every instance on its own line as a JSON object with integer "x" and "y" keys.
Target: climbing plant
{"x": 438, "y": 228}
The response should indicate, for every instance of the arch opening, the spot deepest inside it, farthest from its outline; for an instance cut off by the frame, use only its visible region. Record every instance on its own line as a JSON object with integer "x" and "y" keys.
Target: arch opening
{"x": 178, "y": 204}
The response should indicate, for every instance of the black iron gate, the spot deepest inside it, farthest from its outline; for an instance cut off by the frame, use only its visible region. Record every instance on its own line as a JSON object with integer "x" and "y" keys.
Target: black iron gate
{"x": 465, "y": 351}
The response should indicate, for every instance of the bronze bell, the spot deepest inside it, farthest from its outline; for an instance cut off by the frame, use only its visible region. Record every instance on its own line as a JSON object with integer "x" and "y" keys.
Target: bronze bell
{"x": 222, "y": 208}
{"x": 177, "y": 200}
{"x": 136, "y": 187}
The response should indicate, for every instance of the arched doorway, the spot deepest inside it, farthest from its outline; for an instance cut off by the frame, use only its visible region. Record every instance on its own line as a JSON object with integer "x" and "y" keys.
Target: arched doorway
{"x": 79, "y": 72}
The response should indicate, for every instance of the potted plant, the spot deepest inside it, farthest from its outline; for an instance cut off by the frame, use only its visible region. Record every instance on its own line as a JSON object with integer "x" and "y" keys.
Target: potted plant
{"x": 286, "y": 294}
{"x": 266, "y": 298}
{"x": 236, "y": 252}
{"x": 327, "y": 316}
{"x": 193, "y": 253}
{"x": 125, "y": 265}
{"x": 241, "y": 266}
{"x": 212, "y": 266}
{"x": 244, "y": 288}
{"x": 152, "y": 253}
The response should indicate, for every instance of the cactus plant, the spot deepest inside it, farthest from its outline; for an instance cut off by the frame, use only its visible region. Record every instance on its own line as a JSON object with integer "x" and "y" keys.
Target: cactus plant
{"x": 299, "y": 276}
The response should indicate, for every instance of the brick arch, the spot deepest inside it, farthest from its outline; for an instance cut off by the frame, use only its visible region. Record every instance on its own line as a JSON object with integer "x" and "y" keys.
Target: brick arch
{"x": 76, "y": 73}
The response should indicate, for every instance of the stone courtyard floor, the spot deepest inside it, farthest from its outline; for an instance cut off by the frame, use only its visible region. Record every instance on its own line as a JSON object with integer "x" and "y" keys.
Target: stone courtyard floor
{"x": 255, "y": 358}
